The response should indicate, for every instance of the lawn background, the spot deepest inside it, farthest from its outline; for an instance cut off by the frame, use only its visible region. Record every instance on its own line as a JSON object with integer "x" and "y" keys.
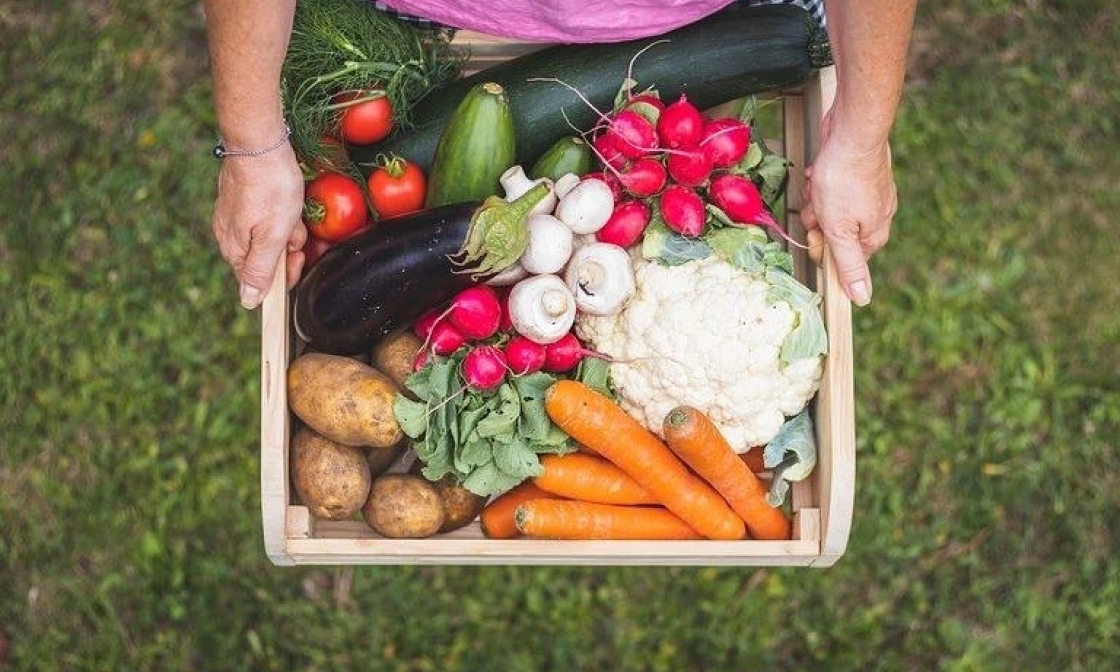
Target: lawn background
{"x": 988, "y": 388}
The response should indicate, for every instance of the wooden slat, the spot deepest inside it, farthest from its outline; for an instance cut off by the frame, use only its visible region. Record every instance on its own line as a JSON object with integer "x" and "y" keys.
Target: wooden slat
{"x": 460, "y": 551}
{"x": 275, "y": 353}
{"x": 835, "y": 402}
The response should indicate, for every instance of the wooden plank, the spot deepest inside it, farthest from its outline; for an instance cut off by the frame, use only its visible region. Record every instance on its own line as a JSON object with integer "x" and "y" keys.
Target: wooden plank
{"x": 300, "y": 523}
{"x": 835, "y": 404}
{"x": 539, "y": 552}
{"x": 807, "y": 525}
{"x": 275, "y": 352}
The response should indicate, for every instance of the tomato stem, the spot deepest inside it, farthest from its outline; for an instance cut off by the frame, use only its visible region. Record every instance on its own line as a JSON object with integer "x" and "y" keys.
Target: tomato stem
{"x": 313, "y": 211}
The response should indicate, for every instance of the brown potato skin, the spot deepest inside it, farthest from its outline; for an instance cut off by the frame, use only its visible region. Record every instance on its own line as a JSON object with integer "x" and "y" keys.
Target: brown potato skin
{"x": 394, "y": 355}
{"x": 380, "y": 459}
{"x": 332, "y": 480}
{"x": 403, "y": 506}
{"x": 460, "y": 506}
{"x": 344, "y": 400}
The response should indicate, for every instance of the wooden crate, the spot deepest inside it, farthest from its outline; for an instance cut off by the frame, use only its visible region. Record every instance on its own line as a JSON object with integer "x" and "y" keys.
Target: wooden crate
{"x": 822, "y": 504}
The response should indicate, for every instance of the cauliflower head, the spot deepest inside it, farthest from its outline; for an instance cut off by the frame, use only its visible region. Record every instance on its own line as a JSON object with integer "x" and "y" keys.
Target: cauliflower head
{"x": 709, "y": 335}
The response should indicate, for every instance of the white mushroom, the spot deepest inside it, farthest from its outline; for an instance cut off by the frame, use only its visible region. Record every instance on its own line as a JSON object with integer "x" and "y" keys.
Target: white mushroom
{"x": 550, "y": 245}
{"x": 587, "y": 207}
{"x": 542, "y": 308}
{"x": 516, "y": 183}
{"x": 564, "y": 184}
{"x": 509, "y": 276}
{"x": 601, "y": 278}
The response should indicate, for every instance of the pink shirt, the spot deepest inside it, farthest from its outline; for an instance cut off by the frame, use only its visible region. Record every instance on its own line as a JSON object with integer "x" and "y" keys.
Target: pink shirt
{"x": 563, "y": 20}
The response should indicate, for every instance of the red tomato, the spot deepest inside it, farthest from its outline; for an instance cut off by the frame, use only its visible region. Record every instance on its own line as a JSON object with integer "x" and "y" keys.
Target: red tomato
{"x": 397, "y": 188}
{"x": 333, "y": 207}
{"x": 368, "y": 121}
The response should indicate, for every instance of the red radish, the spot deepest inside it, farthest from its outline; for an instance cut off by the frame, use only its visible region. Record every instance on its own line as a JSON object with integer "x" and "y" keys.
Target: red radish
{"x": 420, "y": 360}
{"x": 445, "y": 339}
{"x": 726, "y": 141}
{"x": 504, "y": 322}
{"x": 648, "y": 98}
{"x": 524, "y": 356}
{"x": 611, "y": 180}
{"x": 484, "y": 368}
{"x": 683, "y": 210}
{"x": 739, "y": 198}
{"x": 626, "y": 225}
{"x": 606, "y": 146}
{"x": 689, "y": 166}
{"x": 680, "y": 124}
{"x": 632, "y": 134}
{"x": 645, "y": 177}
{"x": 422, "y": 327}
{"x": 565, "y": 354}
{"x": 476, "y": 312}
{"x": 646, "y": 104}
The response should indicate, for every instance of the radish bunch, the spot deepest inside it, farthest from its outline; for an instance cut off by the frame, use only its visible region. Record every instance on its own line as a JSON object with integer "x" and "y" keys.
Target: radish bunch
{"x": 669, "y": 158}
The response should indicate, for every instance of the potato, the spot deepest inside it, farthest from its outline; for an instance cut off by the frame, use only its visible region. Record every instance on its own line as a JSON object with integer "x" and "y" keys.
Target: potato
{"x": 331, "y": 479}
{"x": 344, "y": 400}
{"x": 394, "y": 355}
{"x": 403, "y": 506}
{"x": 460, "y": 506}
{"x": 380, "y": 459}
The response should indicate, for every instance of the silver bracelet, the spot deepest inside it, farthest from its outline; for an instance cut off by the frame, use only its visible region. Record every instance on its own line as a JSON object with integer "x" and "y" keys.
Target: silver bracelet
{"x": 220, "y": 151}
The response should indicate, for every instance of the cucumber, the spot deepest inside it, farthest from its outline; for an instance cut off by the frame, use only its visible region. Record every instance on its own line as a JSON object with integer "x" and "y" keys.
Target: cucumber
{"x": 736, "y": 52}
{"x": 475, "y": 148}
{"x": 567, "y": 155}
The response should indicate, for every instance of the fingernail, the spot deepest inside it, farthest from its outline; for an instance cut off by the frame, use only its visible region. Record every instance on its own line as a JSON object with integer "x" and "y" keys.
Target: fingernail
{"x": 250, "y": 296}
{"x": 859, "y": 293}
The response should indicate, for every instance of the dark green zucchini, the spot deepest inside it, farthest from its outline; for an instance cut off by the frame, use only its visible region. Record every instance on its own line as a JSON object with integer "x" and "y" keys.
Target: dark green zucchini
{"x": 731, "y": 54}
{"x": 381, "y": 279}
{"x": 566, "y": 155}
{"x": 475, "y": 148}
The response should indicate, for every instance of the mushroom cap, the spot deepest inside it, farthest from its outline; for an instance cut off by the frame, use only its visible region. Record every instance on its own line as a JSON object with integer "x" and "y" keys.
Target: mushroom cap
{"x": 542, "y": 308}
{"x": 550, "y": 245}
{"x": 601, "y": 278}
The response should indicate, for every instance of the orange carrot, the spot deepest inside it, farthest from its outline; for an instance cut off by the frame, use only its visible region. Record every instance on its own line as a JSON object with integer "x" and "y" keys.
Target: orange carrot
{"x": 593, "y": 419}
{"x": 695, "y": 439}
{"x": 569, "y": 519}
{"x": 753, "y": 459}
{"x": 590, "y": 479}
{"x": 497, "y": 517}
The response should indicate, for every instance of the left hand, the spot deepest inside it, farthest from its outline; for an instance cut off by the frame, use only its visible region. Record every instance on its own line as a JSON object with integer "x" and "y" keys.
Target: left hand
{"x": 850, "y": 196}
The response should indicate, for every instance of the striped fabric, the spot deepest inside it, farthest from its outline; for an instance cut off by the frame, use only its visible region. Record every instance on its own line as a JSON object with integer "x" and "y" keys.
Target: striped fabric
{"x": 814, "y": 7}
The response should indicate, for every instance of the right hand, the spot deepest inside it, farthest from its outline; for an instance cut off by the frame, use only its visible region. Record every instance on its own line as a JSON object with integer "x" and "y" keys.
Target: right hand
{"x": 257, "y": 218}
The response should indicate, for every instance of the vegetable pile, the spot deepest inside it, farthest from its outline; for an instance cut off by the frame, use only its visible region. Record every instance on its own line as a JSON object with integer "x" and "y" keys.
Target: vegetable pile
{"x": 594, "y": 343}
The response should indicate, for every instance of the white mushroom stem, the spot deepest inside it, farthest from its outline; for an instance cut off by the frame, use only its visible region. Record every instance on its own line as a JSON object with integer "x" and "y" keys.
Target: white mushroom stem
{"x": 565, "y": 183}
{"x": 509, "y": 276}
{"x": 542, "y": 308}
{"x": 587, "y": 207}
{"x": 550, "y": 245}
{"x": 516, "y": 183}
{"x": 601, "y": 278}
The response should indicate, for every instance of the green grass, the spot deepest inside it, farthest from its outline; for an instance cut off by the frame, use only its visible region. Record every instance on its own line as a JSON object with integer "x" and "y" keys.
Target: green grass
{"x": 988, "y": 392}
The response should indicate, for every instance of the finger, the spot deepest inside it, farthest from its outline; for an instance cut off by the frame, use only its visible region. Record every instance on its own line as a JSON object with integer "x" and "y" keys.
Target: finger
{"x": 851, "y": 268}
{"x": 815, "y": 239}
{"x": 295, "y": 267}
{"x": 298, "y": 238}
{"x": 808, "y": 215}
{"x": 260, "y": 265}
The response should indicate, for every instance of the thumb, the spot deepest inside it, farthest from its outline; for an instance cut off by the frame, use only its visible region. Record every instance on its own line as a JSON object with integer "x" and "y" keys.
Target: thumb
{"x": 851, "y": 268}
{"x": 258, "y": 269}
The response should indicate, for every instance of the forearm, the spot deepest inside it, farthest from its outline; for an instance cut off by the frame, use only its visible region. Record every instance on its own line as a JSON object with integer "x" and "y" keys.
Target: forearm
{"x": 869, "y": 40}
{"x": 248, "y": 40}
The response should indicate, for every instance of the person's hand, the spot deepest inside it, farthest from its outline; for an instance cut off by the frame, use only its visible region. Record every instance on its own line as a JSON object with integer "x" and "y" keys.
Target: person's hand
{"x": 850, "y": 197}
{"x": 257, "y": 218}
